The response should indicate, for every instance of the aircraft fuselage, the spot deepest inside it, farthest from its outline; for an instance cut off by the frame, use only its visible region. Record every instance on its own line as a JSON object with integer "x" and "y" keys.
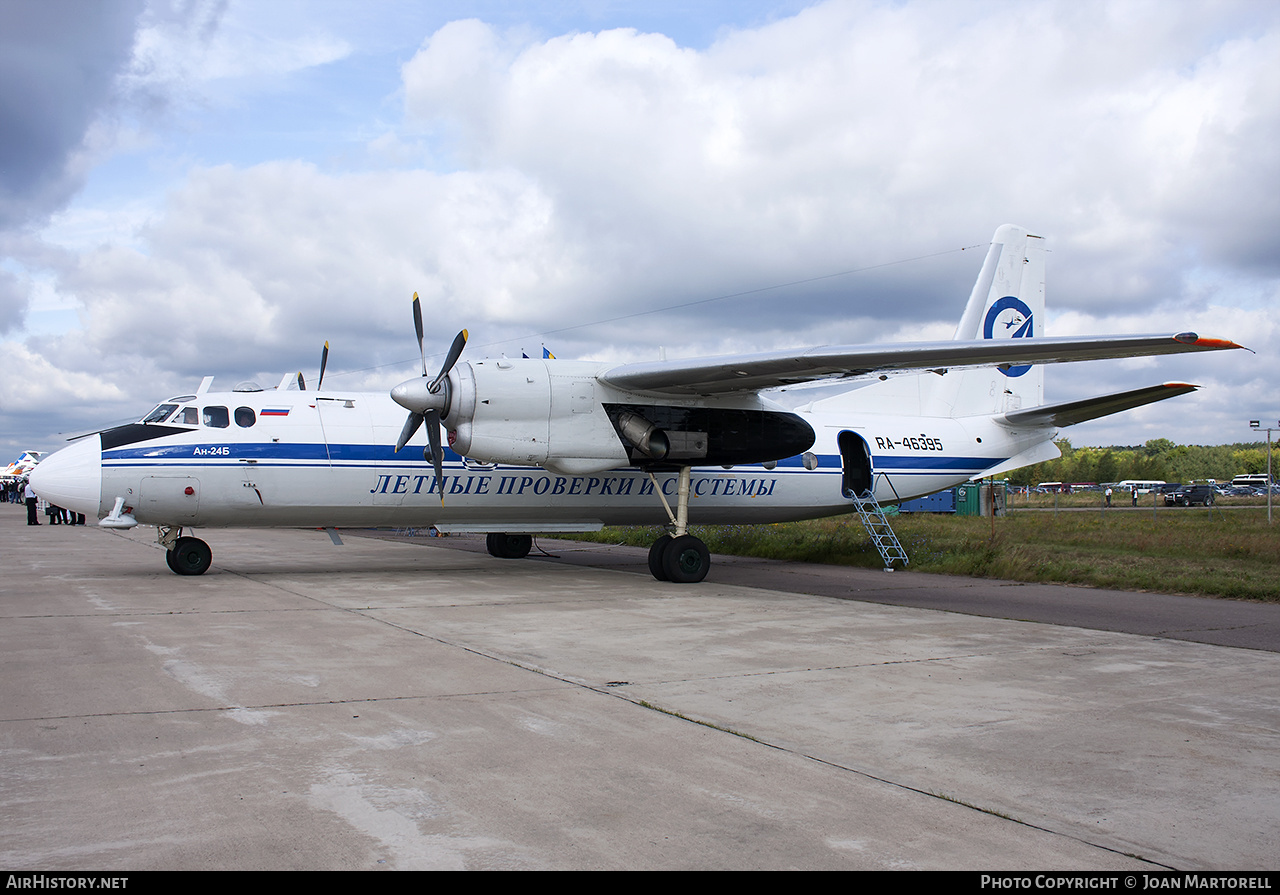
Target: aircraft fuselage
{"x": 310, "y": 459}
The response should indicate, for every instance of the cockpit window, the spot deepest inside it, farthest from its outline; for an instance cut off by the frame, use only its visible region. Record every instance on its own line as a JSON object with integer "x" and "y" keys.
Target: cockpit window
{"x": 245, "y": 417}
{"x": 190, "y": 416}
{"x": 216, "y": 417}
{"x": 160, "y": 414}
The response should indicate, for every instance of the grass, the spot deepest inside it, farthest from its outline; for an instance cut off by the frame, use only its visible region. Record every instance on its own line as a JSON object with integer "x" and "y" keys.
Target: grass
{"x": 1185, "y": 551}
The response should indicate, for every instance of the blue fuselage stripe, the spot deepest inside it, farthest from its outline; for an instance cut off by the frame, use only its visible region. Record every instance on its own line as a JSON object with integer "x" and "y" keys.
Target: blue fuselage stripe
{"x": 311, "y": 455}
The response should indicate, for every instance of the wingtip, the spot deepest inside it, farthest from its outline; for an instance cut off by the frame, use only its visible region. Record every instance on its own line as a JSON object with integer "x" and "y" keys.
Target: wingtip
{"x": 1191, "y": 338}
{"x": 1219, "y": 343}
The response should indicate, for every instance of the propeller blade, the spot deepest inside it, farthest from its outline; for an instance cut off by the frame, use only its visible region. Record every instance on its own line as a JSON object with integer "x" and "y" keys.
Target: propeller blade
{"x": 410, "y": 426}
{"x": 428, "y": 406}
{"x": 302, "y": 385}
{"x": 455, "y": 351}
{"x": 324, "y": 360}
{"x": 417, "y": 326}
{"x": 435, "y": 450}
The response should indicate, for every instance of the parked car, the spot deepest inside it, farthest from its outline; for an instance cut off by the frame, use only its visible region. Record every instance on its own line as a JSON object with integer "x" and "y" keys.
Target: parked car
{"x": 1190, "y": 495}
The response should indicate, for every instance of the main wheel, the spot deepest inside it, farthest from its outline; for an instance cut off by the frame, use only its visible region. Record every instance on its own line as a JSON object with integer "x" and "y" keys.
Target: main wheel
{"x": 505, "y": 546}
{"x": 189, "y": 556}
{"x": 686, "y": 560}
{"x": 656, "y": 554}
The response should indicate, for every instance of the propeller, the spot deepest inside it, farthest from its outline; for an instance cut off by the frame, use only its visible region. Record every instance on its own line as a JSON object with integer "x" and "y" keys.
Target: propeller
{"x": 302, "y": 383}
{"x": 324, "y": 360}
{"x": 428, "y": 402}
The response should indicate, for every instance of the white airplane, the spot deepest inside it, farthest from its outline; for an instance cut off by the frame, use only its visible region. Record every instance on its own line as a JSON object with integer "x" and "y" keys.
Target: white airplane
{"x": 24, "y": 464}
{"x": 538, "y": 445}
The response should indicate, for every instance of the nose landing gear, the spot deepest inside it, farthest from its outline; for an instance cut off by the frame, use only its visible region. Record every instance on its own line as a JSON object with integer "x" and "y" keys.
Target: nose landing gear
{"x": 184, "y": 556}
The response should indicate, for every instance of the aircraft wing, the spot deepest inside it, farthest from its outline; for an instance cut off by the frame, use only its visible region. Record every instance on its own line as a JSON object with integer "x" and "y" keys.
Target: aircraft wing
{"x": 1069, "y": 413}
{"x": 752, "y": 372}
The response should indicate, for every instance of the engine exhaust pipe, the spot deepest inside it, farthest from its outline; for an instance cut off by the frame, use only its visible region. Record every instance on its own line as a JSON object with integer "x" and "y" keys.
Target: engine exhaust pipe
{"x": 647, "y": 438}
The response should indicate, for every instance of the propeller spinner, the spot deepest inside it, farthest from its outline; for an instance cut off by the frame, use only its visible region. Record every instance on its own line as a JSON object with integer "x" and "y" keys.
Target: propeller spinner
{"x": 428, "y": 401}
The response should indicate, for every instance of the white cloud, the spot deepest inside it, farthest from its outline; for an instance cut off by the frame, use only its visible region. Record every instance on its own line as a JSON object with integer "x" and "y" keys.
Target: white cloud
{"x": 844, "y": 129}
{"x": 31, "y": 383}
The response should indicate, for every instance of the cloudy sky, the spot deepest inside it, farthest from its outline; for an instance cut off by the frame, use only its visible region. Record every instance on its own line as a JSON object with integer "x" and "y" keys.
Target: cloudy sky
{"x": 219, "y": 186}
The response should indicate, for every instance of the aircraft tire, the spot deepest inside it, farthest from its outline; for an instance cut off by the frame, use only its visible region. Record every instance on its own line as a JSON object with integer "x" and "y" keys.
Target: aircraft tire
{"x": 505, "y": 546}
{"x": 189, "y": 556}
{"x": 656, "y": 554}
{"x": 686, "y": 560}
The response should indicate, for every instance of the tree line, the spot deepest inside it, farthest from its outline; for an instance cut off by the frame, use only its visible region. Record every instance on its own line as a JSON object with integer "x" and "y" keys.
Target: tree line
{"x": 1159, "y": 459}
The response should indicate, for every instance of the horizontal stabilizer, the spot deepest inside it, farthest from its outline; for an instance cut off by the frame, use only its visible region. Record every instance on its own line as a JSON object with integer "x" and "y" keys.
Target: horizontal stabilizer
{"x": 1072, "y": 412}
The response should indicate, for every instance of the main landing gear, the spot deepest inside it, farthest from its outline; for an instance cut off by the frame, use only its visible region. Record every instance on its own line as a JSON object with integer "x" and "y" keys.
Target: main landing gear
{"x": 679, "y": 557}
{"x": 505, "y": 546}
{"x": 184, "y": 556}
{"x": 683, "y": 560}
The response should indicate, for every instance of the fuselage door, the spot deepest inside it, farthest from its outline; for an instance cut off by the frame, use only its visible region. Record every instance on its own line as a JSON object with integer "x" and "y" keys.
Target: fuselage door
{"x": 855, "y": 460}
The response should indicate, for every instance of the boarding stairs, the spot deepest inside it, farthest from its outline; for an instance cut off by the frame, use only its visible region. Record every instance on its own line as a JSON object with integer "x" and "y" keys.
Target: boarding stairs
{"x": 878, "y": 527}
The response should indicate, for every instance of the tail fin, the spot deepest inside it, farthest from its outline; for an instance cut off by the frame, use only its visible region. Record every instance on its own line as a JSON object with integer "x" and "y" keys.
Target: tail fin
{"x": 1007, "y": 302}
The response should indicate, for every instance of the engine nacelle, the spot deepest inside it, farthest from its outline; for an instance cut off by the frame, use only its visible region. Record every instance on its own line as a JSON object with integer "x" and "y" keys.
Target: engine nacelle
{"x": 532, "y": 412}
{"x": 556, "y": 414}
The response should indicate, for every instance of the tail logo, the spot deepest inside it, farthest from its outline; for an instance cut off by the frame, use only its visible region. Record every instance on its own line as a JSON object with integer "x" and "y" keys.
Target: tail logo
{"x": 1015, "y": 322}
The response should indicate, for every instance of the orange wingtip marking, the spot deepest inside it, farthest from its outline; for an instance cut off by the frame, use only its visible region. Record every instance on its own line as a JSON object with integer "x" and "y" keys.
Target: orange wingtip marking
{"x": 1216, "y": 343}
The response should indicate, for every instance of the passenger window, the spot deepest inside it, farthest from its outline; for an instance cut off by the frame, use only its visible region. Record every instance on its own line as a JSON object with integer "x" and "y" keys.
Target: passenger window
{"x": 245, "y": 417}
{"x": 216, "y": 417}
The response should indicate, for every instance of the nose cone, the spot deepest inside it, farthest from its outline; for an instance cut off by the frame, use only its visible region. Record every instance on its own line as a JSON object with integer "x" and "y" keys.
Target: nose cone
{"x": 72, "y": 477}
{"x": 413, "y": 394}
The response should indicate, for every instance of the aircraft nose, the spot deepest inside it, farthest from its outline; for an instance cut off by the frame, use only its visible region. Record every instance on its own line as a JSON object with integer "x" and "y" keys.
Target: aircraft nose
{"x": 72, "y": 477}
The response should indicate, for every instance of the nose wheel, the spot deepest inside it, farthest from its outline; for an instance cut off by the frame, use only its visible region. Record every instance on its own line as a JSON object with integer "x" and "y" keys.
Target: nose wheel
{"x": 189, "y": 556}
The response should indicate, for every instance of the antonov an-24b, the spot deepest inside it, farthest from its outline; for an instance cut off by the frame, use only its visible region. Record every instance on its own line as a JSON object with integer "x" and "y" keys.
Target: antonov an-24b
{"x": 542, "y": 445}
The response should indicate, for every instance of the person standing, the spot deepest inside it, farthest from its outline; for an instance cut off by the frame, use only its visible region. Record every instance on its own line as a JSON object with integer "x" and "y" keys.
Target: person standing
{"x": 31, "y": 504}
